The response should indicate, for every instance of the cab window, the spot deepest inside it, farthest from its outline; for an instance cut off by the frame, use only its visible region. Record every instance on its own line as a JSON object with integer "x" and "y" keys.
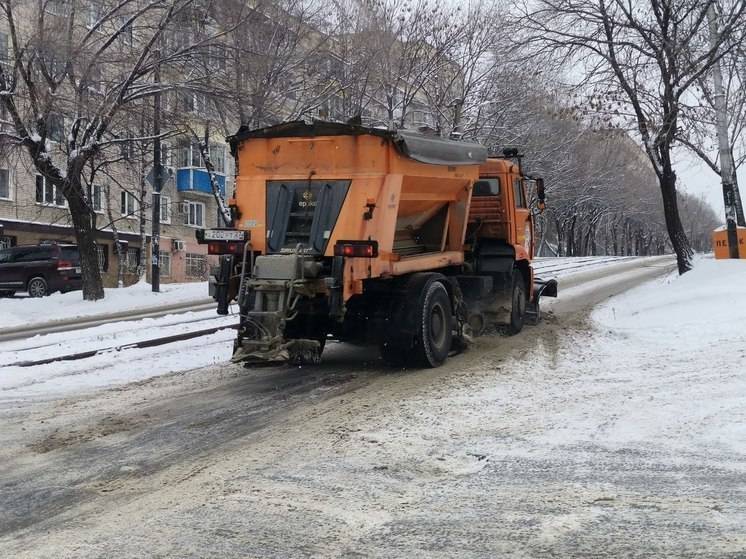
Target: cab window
{"x": 520, "y": 199}
{"x": 487, "y": 187}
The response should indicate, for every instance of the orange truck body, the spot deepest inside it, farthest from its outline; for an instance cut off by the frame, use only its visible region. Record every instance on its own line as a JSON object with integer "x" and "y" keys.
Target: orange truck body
{"x": 306, "y": 193}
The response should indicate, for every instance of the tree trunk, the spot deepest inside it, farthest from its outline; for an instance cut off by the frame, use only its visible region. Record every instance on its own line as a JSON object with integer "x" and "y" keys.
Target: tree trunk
{"x": 679, "y": 240}
{"x": 204, "y": 148}
{"x": 82, "y": 217}
{"x": 560, "y": 240}
{"x": 571, "y": 237}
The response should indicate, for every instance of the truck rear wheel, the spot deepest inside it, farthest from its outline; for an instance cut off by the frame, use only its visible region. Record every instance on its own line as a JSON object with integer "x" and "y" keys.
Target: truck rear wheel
{"x": 425, "y": 331}
{"x": 519, "y": 302}
{"x": 435, "y": 333}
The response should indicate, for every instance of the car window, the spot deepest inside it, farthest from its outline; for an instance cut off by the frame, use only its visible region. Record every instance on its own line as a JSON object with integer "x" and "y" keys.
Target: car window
{"x": 33, "y": 254}
{"x": 70, "y": 253}
{"x": 6, "y": 255}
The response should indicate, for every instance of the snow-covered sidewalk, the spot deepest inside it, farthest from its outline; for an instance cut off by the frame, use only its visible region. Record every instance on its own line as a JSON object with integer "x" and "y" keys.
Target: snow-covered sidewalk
{"x": 19, "y": 312}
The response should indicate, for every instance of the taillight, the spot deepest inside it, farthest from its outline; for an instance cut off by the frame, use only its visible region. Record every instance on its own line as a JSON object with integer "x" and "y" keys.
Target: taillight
{"x": 65, "y": 265}
{"x": 223, "y": 247}
{"x": 356, "y": 249}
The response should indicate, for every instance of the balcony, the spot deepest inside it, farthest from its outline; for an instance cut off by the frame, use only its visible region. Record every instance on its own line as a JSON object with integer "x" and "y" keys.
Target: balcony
{"x": 193, "y": 179}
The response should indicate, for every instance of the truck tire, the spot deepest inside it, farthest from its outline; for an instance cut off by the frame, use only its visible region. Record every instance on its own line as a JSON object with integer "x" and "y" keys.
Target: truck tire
{"x": 434, "y": 327}
{"x": 421, "y": 330}
{"x": 518, "y": 304}
{"x": 37, "y": 287}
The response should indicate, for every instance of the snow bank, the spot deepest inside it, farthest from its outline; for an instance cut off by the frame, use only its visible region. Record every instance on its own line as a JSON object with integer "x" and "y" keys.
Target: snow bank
{"x": 704, "y": 308}
{"x": 676, "y": 351}
{"x": 25, "y": 311}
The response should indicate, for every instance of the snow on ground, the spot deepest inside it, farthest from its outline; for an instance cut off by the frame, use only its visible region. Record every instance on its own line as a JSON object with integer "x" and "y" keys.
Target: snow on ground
{"x": 106, "y": 369}
{"x": 682, "y": 340}
{"x": 561, "y": 266}
{"x": 109, "y": 335}
{"x": 25, "y": 311}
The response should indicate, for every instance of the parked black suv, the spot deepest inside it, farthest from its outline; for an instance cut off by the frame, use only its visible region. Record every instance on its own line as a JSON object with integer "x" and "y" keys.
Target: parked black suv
{"x": 40, "y": 269}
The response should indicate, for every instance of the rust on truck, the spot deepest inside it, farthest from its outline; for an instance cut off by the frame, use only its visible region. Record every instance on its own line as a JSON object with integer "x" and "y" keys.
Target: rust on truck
{"x": 411, "y": 242}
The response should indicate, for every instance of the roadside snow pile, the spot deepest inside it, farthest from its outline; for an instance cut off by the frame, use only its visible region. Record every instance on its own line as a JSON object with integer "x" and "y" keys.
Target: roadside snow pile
{"x": 676, "y": 351}
{"x": 704, "y": 308}
{"x": 25, "y": 311}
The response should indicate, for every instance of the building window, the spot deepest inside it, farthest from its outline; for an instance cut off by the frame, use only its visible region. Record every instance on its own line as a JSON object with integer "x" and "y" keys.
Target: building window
{"x": 102, "y": 251}
{"x": 127, "y": 147}
{"x": 56, "y": 127}
{"x": 58, "y": 7}
{"x": 196, "y": 265}
{"x": 93, "y": 15}
{"x": 95, "y": 80}
{"x": 97, "y": 199}
{"x": 185, "y": 102}
{"x": 48, "y": 193}
{"x": 219, "y": 56}
{"x": 4, "y": 52}
{"x": 189, "y": 156}
{"x": 132, "y": 260}
{"x": 125, "y": 32}
{"x": 165, "y": 209}
{"x": 217, "y": 158}
{"x": 202, "y": 104}
{"x": 5, "y": 184}
{"x": 128, "y": 204}
{"x": 7, "y": 241}
{"x": 165, "y": 154}
{"x": 164, "y": 263}
{"x": 195, "y": 214}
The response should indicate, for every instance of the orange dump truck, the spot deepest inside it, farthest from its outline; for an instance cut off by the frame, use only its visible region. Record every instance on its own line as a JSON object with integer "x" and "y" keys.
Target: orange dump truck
{"x": 410, "y": 242}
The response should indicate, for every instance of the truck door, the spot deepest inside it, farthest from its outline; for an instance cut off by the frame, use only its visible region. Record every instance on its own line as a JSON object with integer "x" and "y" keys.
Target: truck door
{"x": 523, "y": 225}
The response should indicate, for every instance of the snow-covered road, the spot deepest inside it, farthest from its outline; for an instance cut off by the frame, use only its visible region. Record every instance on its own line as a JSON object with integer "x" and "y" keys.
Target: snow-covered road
{"x": 616, "y": 433}
{"x": 129, "y": 364}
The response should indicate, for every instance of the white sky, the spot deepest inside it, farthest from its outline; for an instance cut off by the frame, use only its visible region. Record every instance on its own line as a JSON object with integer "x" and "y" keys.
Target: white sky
{"x": 696, "y": 178}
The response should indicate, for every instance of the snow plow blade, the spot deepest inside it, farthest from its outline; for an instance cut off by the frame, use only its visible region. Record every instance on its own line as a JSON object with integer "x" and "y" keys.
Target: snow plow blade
{"x": 545, "y": 288}
{"x": 542, "y": 288}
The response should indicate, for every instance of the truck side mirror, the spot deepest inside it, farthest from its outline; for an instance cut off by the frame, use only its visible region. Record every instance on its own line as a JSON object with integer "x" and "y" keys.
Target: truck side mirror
{"x": 541, "y": 194}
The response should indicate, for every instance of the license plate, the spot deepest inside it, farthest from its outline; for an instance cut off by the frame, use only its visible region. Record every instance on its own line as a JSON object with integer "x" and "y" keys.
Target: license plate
{"x": 77, "y": 270}
{"x": 224, "y": 235}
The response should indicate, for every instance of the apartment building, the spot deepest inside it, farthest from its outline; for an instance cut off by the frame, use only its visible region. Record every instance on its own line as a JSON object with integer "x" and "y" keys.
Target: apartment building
{"x": 31, "y": 210}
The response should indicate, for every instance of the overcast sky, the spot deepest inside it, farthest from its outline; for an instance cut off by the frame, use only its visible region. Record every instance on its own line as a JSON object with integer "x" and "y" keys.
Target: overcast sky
{"x": 697, "y": 178}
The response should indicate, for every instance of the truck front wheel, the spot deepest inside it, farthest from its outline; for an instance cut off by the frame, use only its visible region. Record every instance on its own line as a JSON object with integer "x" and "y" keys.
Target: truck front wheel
{"x": 519, "y": 302}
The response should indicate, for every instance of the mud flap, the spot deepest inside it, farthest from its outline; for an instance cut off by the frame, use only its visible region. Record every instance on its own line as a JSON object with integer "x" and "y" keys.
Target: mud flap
{"x": 542, "y": 288}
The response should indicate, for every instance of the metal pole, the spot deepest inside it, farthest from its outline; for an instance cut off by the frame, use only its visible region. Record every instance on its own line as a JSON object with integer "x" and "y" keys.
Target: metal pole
{"x": 155, "y": 269}
{"x": 726, "y": 161}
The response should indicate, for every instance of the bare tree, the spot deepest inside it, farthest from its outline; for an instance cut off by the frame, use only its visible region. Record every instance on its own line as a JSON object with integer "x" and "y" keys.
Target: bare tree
{"x": 64, "y": 66}
{"x": 647, "y": 56}
{"x": 699, "y": 120}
